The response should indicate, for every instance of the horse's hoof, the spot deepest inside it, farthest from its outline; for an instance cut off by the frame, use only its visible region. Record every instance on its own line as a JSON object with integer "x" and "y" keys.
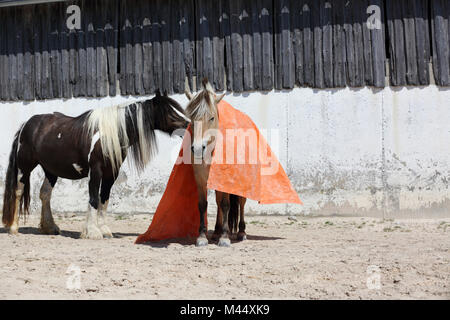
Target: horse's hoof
{"x": 50, "y": 230}
{"x": 224, "y": 242}
{"x": 13, "y": 230}
{"x": 241, "y": 236}
{"x": 92, "y": 233}
{"x": 201, "y": 242}
{"x": 106, "y": 232}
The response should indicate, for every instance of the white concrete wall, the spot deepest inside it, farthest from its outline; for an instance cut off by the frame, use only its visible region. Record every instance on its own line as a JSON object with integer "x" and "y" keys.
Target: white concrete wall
{"x": 347, "y": 151}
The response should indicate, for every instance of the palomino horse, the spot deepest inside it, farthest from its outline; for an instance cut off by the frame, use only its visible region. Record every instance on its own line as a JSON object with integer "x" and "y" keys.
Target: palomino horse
{"x": 203, "y": 112}
{"x": 93, "y": 144}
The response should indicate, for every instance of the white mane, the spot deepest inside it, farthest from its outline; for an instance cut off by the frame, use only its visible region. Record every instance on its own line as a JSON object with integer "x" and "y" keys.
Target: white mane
{"x": 110, "y": 123}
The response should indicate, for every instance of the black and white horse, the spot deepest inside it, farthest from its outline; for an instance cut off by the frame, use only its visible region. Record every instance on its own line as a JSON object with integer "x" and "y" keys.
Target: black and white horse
{"x": 93, "y": 144}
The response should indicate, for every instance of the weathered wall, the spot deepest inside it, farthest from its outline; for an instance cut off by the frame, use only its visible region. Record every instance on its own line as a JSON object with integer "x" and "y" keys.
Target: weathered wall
{"x": 347, "y": 151}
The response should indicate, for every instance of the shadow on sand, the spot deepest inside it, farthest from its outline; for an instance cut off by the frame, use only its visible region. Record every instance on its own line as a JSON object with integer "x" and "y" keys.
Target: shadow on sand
{"x": 191, "y": 241}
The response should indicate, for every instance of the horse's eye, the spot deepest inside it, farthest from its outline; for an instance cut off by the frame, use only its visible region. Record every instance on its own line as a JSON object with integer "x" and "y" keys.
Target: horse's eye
{"x": 212, "y": 119}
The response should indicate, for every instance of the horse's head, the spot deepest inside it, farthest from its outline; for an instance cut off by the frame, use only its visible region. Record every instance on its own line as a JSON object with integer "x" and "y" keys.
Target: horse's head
{"x": 169, "y": 115}
{"x": 204, "y": 115}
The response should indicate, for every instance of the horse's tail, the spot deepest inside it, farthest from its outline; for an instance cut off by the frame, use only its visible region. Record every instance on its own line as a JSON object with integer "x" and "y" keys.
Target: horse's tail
{"x": 9, "y": 197}
{"x": 233, "y": 215}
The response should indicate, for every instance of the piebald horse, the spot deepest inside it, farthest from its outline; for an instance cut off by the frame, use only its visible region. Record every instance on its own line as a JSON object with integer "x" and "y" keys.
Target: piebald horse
{"x": 203, "y": 113}
{"x": 93, "y": 144}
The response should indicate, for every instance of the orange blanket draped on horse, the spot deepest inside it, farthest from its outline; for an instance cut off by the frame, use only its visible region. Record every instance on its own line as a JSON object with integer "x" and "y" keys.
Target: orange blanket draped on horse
{"x": 259, "y": 178}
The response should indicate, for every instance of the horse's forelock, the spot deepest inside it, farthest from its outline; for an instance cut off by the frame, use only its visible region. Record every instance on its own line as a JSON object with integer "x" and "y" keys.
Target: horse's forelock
{"x": 202, "y": 105}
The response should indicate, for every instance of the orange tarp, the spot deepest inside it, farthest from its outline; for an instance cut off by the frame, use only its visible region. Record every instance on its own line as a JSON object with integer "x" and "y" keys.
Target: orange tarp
{"x": 247, "y": 168}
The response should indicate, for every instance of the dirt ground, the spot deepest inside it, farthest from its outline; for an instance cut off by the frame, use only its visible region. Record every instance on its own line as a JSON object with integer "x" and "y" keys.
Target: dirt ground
{"x": 283, "y": 258}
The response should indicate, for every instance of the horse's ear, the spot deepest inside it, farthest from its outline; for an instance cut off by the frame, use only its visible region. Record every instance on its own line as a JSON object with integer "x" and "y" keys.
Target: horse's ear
{"x": 165, "y": 93}
{"x": 188, "y": 94}
{"x": 219, "y": 98}
{"x": 158, "y": 93}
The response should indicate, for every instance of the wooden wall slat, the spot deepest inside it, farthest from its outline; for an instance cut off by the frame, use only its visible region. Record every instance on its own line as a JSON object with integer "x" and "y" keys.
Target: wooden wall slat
{"x": 138, "y": 19}
{"x": 236, "y": 45}
{"x": 378, "y": 48}
{"x": 111, "y": 41}
{"x": 4, "y": 92}
{"x": 167, "y": 53}
{"x": 19, "y": 33}
{"x": 440, "y": 23}
{"x": 422, "y": 32}
{"x": 12, "y": 58}
{"x": 339, "y": 48}
{"x": 157, "y": 45}
{"x": 101, "y": 56}
{"x": 28, "y": 54}
{"x": 65, "y": 53}
{"x": 253, "y": 45}
{"x": 147, "y": 49}
{"x": 81, "y": 84}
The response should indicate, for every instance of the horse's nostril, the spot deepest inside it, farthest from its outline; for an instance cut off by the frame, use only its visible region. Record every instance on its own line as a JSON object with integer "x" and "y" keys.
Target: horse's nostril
{"x": 204, "y": 147}
{"x": 192, "y": 148}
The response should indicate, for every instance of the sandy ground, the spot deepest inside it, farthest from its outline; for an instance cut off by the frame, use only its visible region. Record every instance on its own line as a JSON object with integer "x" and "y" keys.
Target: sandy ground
{"x": 283, "y": 258}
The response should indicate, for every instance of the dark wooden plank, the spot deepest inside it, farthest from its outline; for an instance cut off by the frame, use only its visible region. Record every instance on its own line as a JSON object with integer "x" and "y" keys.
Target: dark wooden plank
{"x": 247, "y": 45}
{"x": 46, "y": 84}
{"x": 81, "y": 84}
{"x": 422, "y": 41}
{"x": 4, "y": 92}
{"x": 188, "y": 36}
{"x": 287, "y": 67}
{"x": 157, "y": 44}
{"x": 408, "y": 13}
{"x": 327, "y": 34}
{"x": 28, "y": 54}
{"x": 147, "y": 49}
{"x": 177, "y": 43}
{"x": 226, "y": 30}
{"x": 66, "y": 89}
{"x": 19, "y": 31}
{"x": 267, "y": 45}
{"x": 297, "y": 35}
{"x": 378, "y": 49}
{"x": 440, "y": 22}
{"x": 218, "y": 44}
{"x": 112, "y": 45}
{"x": 349, "y": 45}
{"x": 339, "y": 49}
{"x": 278, "y": 50}
{"x": 74, "y": 64}
{"x": 308, "y": 43}
{"x": 236, "y": 44}
{"x": 101, "y": 63}
{"x": 55, "y": 52}
{"x": 204, "y": 48}
{"x": 167, "y": 54}
{"x": 358, "y": 41}
{"x": 137, "y": 47}
{"x": 367, "y": 45}
{"x": 12, "y": 58}
{"x": 124, "y": 26}
{"x": 256, "y": 8}
{"x": 318, "y": 46}
{"x": 89, "y": 17}
{"x": 129, "y": 48}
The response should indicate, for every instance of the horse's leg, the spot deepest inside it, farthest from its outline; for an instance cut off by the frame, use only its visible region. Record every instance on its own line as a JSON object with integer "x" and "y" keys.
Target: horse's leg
{"x": 241, "y": 236}
{"x": 91, "y": 230}
{"x": 103, "y": 206}
{"x": 219, "y": 219}
{"x": 202, "y": 240}
{"x": 224, "y": 204}
{"x": 47, "y": 225}
{"x": 14, "y": 228}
